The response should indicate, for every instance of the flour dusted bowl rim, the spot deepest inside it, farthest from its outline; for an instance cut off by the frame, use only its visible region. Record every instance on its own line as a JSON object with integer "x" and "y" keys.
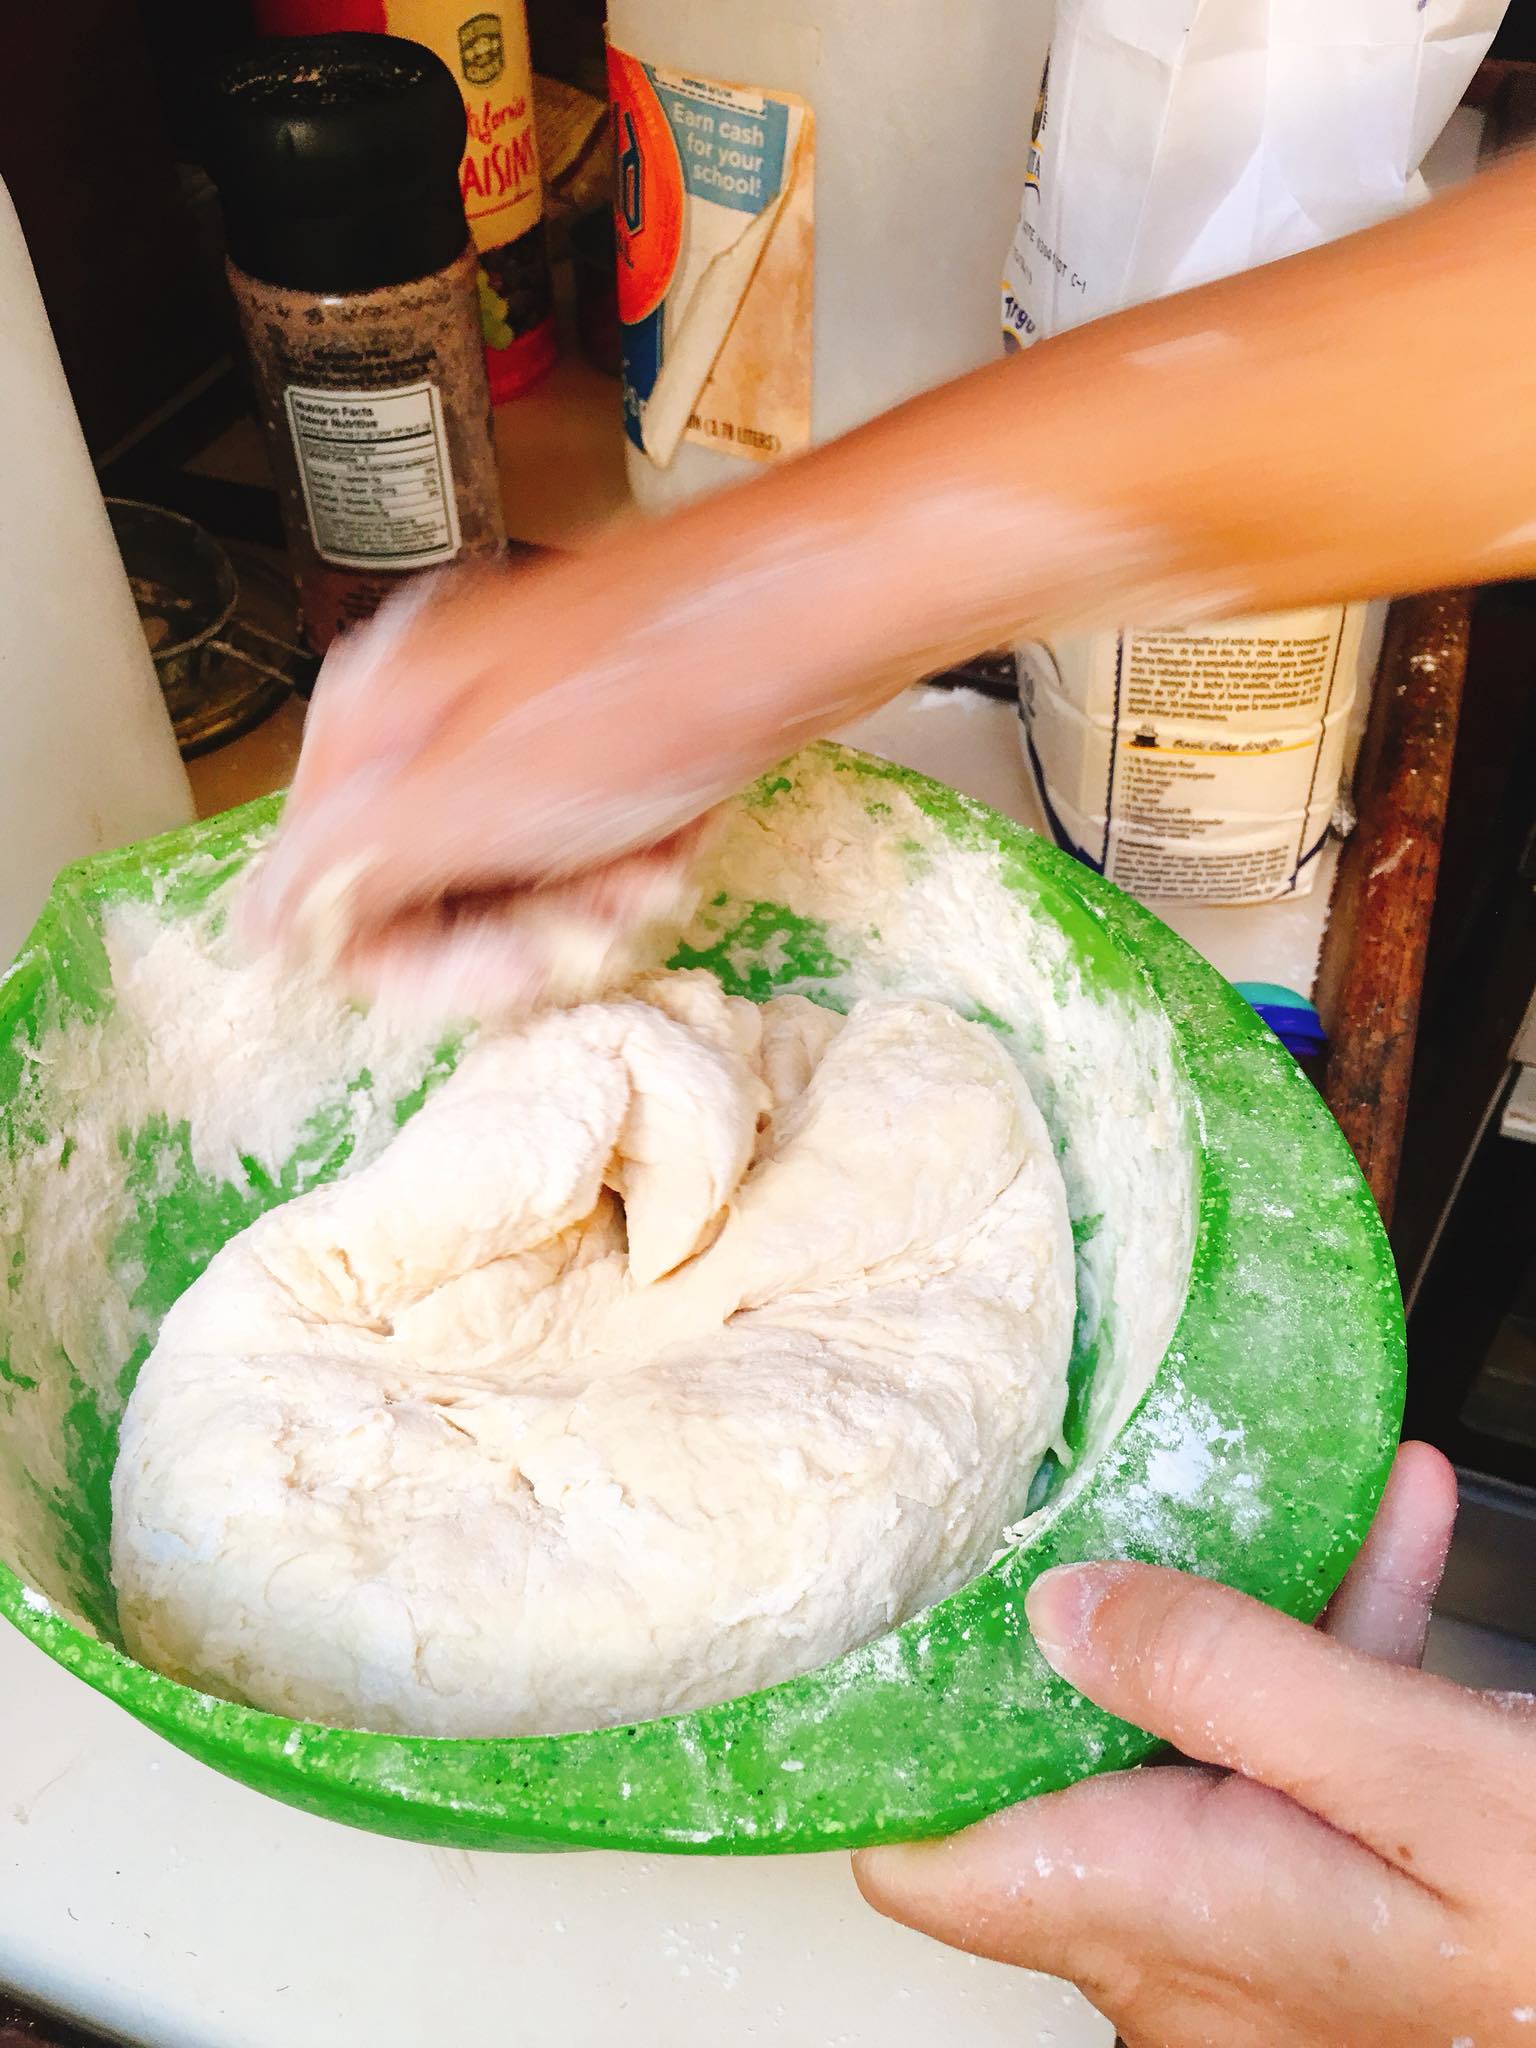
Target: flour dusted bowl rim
{"x": 1252, "y": 1445}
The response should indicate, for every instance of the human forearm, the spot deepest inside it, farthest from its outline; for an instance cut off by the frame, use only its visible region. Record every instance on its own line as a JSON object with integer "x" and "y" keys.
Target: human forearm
{"x": 1354, "y": 421}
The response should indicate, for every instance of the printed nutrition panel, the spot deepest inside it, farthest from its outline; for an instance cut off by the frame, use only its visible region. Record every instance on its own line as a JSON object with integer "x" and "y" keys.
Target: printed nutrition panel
{"x": 376, "y": 476}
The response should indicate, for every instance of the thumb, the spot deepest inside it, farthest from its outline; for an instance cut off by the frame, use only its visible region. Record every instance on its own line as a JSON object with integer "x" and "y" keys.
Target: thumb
{"x": 1231, "y": 1682}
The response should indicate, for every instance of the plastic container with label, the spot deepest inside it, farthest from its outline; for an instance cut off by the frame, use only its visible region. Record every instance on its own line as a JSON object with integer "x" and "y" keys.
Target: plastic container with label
{"x": 813, "y": 200}
{"x": 1209, "y": 763}
{"x": 352, "y": 267}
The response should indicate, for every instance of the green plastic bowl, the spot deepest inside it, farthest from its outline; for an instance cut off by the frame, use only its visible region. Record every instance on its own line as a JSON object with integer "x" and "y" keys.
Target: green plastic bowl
{"x": 1237, "y": 1378}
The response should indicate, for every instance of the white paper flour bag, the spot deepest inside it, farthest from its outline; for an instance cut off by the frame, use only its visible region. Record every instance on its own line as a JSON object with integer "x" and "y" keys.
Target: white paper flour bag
{"x": 1175, "y": 142}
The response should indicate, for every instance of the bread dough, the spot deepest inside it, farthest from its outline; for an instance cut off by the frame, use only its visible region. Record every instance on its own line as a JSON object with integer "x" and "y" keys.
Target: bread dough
{"x": 677, "y": 1345}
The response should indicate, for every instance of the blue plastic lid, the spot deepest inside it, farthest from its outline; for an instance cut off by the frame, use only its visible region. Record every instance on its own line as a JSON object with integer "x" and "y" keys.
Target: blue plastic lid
{"x": 1291, "y": 1017}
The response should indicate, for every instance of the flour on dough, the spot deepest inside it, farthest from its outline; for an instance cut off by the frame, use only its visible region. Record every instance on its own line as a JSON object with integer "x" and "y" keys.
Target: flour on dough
{"x": 676, "y": 1346}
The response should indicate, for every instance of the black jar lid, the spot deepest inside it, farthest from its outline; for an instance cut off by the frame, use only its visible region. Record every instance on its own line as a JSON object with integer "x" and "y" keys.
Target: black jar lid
{"x": 337, "y": 161}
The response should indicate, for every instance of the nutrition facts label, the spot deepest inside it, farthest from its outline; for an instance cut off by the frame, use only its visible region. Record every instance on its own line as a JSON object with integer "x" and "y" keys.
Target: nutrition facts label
{"x": 378, "y": 484}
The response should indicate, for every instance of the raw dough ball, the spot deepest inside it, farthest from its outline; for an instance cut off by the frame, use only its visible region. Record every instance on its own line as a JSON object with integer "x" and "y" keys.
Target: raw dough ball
{"x": 676, "y": 1346}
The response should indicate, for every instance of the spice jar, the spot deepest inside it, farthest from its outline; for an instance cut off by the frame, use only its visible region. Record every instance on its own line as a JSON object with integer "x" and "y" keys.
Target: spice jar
{"x": 355, "y": 280}
{"x": 487, "y": 50}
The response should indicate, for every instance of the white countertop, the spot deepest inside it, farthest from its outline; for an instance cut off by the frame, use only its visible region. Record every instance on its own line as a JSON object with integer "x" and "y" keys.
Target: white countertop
{"x": 152, "y": 1898}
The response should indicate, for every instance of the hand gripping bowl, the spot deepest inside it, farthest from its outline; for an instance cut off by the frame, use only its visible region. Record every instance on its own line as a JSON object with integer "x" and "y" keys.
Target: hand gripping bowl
{"x": 1237, "y": 1377}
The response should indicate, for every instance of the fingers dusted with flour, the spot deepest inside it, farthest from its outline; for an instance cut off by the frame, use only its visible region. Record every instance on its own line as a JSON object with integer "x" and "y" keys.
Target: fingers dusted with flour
{"x": 491, "y": 954}
{"x": 1348, "y": 1860}
{"x": 1232, "y": 1683}
{"x": 1384, "y": 1604}
{"x": 1165, "y": 1895}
